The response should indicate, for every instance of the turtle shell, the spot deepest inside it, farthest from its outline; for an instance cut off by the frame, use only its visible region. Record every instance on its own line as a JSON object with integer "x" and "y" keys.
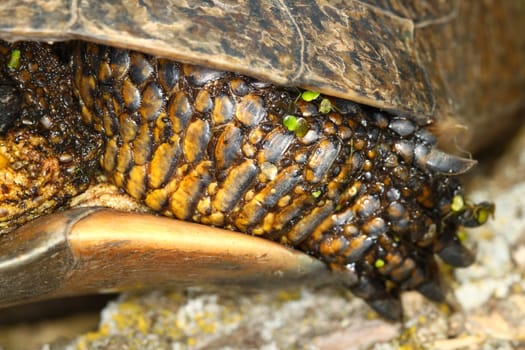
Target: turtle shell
{"x": 426, "y": 59}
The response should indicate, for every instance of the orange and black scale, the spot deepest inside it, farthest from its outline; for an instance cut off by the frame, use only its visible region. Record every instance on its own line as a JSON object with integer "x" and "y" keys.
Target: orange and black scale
{"x": 344, "y": 182}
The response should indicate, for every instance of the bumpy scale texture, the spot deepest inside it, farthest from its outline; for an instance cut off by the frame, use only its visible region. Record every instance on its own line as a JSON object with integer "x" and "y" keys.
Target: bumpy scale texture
{"x": 340, "y": 181}
{"x": 46, "y": 155}
{"x": 346, "y": 183}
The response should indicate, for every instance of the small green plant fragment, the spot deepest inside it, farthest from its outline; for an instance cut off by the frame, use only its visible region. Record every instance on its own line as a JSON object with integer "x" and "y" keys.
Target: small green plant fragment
{"x": 316, "y": 194}
{"x": 290, "y": 121}
{"x": 482, "y": 216}
{"x": 14, "y": 60}
{"x": 309, "y": 95}
{"x": 462, "y": 236}
{"x": 325, "y": 106}
{"x": 471, "y": 215}
{"x": 458, "y": 204}
{"x": 379, "y": 263}
{"x": 298, "y": 125}
{"x": 302, "y": 127}
{"x": 483, "y": 211}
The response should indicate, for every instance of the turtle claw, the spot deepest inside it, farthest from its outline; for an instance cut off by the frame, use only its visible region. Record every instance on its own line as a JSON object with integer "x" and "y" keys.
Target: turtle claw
{"x": 432, "y": 290}
{"x": 389, "y": 308}
{"x": 455, "y": 254}
{"x": 442, "y": 162}
{"x": 386, "y": 304}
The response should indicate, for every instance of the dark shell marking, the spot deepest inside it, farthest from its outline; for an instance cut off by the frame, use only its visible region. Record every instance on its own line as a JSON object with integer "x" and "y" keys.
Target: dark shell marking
{"x": 362, "y": 190}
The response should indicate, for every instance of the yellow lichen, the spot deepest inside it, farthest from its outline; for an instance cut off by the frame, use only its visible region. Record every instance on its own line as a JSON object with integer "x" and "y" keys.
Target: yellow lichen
{"x": 289, "y": 295}
{"x": 131, "y": 315}
{"x": 206, "y": 322}
{"x": 445, "y": 308}
{"x": 84, "y": 342}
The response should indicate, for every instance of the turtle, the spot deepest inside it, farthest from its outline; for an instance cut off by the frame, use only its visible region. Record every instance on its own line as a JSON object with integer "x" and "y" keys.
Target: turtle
{"x": 313, "y": 124}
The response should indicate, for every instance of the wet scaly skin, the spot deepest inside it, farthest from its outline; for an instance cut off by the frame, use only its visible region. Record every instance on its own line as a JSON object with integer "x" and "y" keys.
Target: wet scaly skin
{"x": 46, "y": 156}
{"x": 358, "y": 188}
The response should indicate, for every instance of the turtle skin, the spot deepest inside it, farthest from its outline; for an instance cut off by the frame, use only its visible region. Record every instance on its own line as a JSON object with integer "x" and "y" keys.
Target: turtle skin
{"x": 346, "y": 183}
